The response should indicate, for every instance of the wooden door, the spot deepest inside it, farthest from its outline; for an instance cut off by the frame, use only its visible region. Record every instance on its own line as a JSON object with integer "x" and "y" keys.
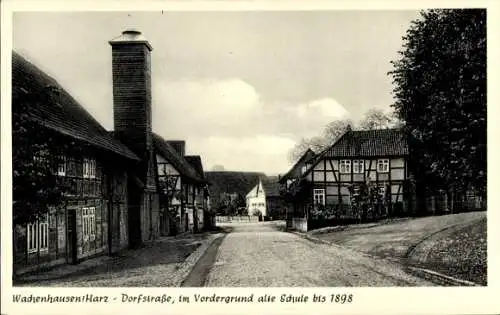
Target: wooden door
{"x": 71, "y": 237}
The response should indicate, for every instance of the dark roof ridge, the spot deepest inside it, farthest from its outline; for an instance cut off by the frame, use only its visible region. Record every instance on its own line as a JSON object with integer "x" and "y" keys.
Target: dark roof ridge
{"x": 179, "y": 162}
{"x": 300, "y": 160}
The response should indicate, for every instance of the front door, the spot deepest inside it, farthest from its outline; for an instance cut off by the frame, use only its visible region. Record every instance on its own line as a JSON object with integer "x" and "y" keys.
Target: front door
{"x": 71, "y": 237}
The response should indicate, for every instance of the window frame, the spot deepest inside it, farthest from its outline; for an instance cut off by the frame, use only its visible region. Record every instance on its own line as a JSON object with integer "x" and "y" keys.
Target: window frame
{"x": 347, "y": 164}
{"x": 89, "y": 168}
{"x": 360, "y": 166}
{"x": 319, "y": 192}
{"x": 384, "y": 163}
{"x": 37, "y": 235}
{"x": 62, "y": 167}
{"x": 88, "y": 223}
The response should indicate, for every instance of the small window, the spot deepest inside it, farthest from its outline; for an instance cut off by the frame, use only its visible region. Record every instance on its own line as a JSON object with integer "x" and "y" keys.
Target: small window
{"x": 383, "y": 166}
{"x": 358, "y": 166}
{"x": 61, "y": 168}
{"x": 345, "y": 166}
{"x": 37, "y": 236}
{"x": 89, "y": 168}
{"x": 319, "y": 196}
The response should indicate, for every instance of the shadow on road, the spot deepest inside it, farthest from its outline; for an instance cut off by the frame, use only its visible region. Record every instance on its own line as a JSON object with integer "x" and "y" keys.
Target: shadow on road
{"x": 198, "y": 276}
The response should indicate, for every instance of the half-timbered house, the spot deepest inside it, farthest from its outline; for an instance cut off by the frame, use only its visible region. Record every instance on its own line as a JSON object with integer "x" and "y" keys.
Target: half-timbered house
{"x": 202, "y": 196}
{"x": 289, "y": 184}
{"x": 93, "y": 219}
{"x": 378, "y": 157}
{"x": 183, "y": 188}
{"x": 110, "y": 180}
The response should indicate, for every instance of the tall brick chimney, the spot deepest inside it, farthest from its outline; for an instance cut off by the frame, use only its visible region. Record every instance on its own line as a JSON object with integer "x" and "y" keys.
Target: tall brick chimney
{"x": 131, "y": 63}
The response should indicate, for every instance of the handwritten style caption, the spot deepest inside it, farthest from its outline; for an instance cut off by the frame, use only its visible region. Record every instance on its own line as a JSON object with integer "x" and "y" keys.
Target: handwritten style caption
{"x": 337, "y": 298}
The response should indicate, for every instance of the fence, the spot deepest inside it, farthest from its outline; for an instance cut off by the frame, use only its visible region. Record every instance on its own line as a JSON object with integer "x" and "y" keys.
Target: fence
{"x": 236, "y": 219}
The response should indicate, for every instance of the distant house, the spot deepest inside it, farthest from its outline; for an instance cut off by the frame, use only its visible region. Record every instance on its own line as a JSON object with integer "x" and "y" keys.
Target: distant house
{"x": 275, "y": 207}
{"x": 298, "y": 169}
{"x": 230, "y": 185}
{"x": 202, "y": 199}
{"x": 376, "y": 156}
{"x": 290, "y": 181}
{"x": 256, "y": 200}
{"x": 184, "y": 190}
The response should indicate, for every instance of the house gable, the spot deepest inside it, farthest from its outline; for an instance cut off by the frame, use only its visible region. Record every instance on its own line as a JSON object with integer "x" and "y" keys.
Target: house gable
{"x": 296, "y": 170}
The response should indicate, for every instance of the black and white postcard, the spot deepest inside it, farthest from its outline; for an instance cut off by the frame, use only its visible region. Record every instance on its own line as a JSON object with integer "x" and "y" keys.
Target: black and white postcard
{"x": 262, "y": 157}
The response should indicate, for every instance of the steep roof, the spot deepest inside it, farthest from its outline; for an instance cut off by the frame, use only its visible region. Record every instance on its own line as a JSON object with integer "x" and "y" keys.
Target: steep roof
{"x": 179, "y": 162}
{"x": 232, "y": 182}
{"x": 272, "y": 188}
{"x": 256, "y": 191}
{"x": 195, "y": 162}
{"x": 295, "y": 171}
{"x": 59, "y": 111}
{"x": 369, "y": 143}
{"x": 365, "y": 143}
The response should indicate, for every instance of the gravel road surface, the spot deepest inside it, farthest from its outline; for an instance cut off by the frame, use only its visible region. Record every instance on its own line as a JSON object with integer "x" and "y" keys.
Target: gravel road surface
{"x": 262, "y": 255}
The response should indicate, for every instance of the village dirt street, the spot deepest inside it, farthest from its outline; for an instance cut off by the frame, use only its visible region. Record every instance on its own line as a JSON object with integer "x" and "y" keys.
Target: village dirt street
{"x": 260, "y": 254}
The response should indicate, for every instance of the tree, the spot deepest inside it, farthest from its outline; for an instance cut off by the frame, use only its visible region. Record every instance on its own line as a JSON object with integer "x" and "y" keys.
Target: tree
{"x": 378, "y": 119}
{"x": 373, "y": 119}
{"x": 36, "y": 153}
{"x": 331, "y": 133}
{"x": 440, "y": 91}
{"x": 230, "y": 203}
{"x": 317, "y": 144}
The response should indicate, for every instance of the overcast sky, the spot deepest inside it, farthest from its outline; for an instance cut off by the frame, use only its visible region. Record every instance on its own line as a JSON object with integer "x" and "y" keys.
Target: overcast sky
{"x": 240, "y": 87}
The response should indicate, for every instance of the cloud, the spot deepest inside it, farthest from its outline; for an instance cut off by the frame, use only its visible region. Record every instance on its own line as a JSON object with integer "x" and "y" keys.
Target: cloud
{"x": 228, "y": 123}
{"x": 326, "y": 107}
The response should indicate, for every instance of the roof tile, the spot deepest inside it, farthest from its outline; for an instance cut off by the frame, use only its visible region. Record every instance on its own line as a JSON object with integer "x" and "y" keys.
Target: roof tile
{"x": 369, "y": 143}
{"x": 178, "y": 162}
{"x": 60, "y": 112}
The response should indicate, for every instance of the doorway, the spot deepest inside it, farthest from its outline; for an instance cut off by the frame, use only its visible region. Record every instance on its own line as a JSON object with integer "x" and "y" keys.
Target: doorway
{"x": 71, "y": 237}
